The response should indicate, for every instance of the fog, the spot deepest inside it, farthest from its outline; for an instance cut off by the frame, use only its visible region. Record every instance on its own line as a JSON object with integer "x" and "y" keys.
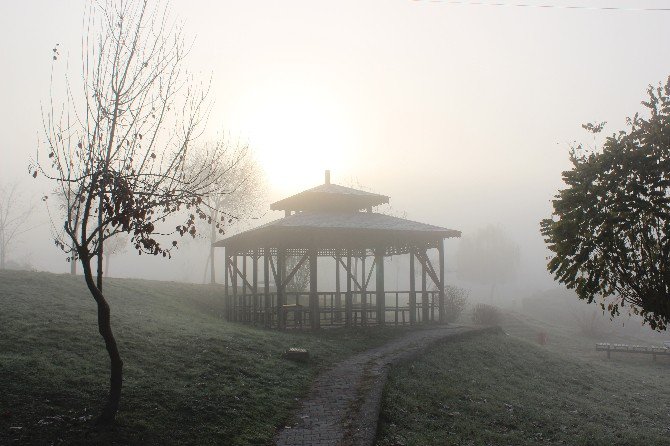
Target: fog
{"x": 431, "y": 136}
{"x": 462, "y": 114}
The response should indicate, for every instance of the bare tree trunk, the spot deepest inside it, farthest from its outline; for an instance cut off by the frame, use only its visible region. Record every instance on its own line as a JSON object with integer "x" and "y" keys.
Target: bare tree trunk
{"x": 73, "y": 259}
{"x": 99, "y": 272}
{"x": 204, "y": 273}
{"x": 3, "y": 246}
{"x": 101, "y": 239}
{"x": 116, "y": 364}
{"x": 212, "y": 272}
{"x": 100, "y": 246}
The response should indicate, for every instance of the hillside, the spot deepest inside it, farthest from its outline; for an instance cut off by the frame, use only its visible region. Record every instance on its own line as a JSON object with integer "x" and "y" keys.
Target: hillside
{"x": 189, "y": 376}
{"x": 507, "y": 389}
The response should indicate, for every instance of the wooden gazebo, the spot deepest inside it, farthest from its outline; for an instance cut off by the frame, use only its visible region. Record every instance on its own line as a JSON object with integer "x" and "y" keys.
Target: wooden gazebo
{"x": 336, "y": 222}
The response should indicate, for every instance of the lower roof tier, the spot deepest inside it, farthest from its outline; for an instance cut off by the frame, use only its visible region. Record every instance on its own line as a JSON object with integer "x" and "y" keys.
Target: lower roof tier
{"x": 330, "y": 231}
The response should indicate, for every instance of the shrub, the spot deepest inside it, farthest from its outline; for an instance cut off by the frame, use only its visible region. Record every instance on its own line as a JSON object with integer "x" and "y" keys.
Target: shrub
{"x": 456, "y": 299}
{"x": 484, "y": 314}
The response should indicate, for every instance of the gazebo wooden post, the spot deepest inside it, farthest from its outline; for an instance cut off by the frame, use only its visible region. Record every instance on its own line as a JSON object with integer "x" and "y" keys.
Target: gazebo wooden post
{"x": 348, "y": 301}
{"x": 279, "y": 284}
{"x": 379, "y": 288}
{"x": 364, "y": 296}
{"x": 425, "y": 310}
{"x": 412, "y": 290}
{"x": 338, "y": 296}
{"x": 442, "y": 311}
{"x": 266, "y": 279}
{"x": 226, "y": 296}
{"x": 245, "y": 306}
{"x": 254, "y": 284}
{"x": 315, "y": 317}
{"x": 233, "y": 271}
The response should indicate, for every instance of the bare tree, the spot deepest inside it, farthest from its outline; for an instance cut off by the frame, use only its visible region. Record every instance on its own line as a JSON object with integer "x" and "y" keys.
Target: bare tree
{"x": 113, "y": 247}
{"x": 15, "y": 211}
{"x": 488, "y": 257}
{"x": 118, "y": 154}
{"x": 63, "y": 209}
{"x": 300, "y": 280}
{"x": 238, "y": 194}
{"x": 589, "y": 320}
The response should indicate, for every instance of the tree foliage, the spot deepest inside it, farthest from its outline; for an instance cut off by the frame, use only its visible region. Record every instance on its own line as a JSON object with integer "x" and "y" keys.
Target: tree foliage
{"x": 610, "y": 228}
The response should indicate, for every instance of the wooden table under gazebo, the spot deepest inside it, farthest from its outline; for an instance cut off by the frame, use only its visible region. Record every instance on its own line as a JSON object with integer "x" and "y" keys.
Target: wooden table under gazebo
{"x": 337, "y": 222}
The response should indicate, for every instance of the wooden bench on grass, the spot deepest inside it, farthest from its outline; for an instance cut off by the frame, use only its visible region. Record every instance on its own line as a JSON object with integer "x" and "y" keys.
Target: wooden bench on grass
{"x": 624, "y": 348}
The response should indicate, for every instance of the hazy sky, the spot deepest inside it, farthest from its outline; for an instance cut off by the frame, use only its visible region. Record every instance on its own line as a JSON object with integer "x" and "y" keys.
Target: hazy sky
{"x": 462, "y": 114}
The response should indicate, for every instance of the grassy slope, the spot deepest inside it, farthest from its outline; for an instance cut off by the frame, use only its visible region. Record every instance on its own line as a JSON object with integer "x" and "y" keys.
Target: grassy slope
{"x": 189, "y": 376}
{"x": 504, "y": 390}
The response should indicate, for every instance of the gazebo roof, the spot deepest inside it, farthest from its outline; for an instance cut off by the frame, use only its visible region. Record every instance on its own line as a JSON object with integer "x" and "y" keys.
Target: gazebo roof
{"x": 328, "y": 219}
{"x": 330, "y": 197}
{"x": 327, "y": 231}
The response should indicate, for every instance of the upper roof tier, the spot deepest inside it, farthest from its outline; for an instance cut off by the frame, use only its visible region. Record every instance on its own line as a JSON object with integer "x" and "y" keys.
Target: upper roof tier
{"x": 330, "y": 197}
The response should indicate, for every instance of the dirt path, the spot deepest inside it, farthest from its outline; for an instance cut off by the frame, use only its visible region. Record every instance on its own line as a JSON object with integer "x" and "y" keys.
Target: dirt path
{"x": 343, "y": 405}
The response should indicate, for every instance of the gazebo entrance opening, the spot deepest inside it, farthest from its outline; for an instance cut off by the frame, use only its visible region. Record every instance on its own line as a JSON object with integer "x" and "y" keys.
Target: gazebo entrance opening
{"x": 336, "y": 222}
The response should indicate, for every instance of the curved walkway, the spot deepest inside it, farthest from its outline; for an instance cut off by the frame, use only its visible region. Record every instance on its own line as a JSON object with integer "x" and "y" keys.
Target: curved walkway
{"x": 343, "y": 405}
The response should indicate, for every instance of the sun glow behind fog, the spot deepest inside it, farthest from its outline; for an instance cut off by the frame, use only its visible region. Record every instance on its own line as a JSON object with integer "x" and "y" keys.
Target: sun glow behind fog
{"x": 296, "y": 132}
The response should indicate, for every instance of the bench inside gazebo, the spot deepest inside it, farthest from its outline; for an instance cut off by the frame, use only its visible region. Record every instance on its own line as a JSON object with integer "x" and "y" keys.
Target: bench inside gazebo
{"x": 338, "y": 223}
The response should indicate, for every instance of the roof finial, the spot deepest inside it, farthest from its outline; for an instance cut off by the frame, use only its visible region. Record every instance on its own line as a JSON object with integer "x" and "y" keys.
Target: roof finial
{"x": 327, "y": 176}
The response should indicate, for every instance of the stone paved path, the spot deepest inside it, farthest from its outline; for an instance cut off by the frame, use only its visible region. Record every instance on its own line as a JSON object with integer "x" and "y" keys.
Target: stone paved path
{"x": 343, "y": 405}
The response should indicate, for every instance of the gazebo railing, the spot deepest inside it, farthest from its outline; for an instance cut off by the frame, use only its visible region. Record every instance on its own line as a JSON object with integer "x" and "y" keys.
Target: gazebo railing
{"x": 332, "y": 309}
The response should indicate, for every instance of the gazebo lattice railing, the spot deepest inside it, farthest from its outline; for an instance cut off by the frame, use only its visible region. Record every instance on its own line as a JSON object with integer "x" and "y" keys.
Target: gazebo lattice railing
{"x": 327, "y": 222}
{"x": 249, "y": 308}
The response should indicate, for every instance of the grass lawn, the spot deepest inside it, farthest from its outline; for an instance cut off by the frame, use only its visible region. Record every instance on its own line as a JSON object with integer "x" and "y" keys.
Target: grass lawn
{"x": 504, "y": 390}
{"x": 189, "y": 376}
